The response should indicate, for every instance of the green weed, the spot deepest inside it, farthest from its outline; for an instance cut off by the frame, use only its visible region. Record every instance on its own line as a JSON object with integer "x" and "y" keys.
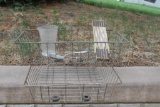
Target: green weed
{"x": 40, "y": 10}
{"x": 114, "y": 14}
{"x": 26, "y": 23}
{"x": 81, "y": 20}
{"x": 18, "y": 6}
{"x": 135, "y": 8}
{"x": 91, "y": 16}
{"x": 62, "y": 32}
{"x": 54, "y": 11}
{"x": 124, "y": 18}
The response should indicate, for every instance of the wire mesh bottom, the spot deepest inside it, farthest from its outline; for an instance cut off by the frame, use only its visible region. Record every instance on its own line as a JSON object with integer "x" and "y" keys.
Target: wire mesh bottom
{"x": 71, "y": 84}
{"x": 72, "y": 93}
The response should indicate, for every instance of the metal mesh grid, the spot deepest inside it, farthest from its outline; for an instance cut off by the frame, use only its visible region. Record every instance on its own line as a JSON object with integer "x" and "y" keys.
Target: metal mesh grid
{"x": 77, "y": 77}
{"x": 59, "y": 75}
{"x": 71, "y": 84}
{"x": 30, "y": 49}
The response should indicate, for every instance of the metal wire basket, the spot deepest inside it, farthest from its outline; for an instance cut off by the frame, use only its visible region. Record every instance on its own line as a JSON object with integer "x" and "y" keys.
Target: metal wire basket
{"x": 75, "y": 73}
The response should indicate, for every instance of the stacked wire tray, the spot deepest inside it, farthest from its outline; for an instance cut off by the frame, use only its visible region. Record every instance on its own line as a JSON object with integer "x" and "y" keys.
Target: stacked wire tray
{"x": 73, "y": 74}
{"x": 72, "y": 84}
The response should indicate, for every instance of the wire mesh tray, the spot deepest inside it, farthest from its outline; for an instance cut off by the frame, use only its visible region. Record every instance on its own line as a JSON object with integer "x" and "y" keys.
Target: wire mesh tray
{"x": 46, "y": 76}
{"x": 29, "y": 47}
{"x": 71, "y": 84}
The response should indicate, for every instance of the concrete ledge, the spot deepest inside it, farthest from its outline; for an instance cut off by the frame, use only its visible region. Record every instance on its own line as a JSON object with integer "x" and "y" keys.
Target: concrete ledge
{"x": 139, "y": 85}
{"x": 13, "y": 76}
{"x": 139, "y": 75}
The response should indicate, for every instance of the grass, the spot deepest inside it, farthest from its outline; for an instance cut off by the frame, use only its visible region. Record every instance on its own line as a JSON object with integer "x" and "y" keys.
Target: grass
{"x": 141, "y": 30}
{"x": 136, "y": 8}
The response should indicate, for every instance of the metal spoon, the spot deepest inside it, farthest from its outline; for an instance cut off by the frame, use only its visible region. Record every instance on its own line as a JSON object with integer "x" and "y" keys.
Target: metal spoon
{"x": 53, "y": 55}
